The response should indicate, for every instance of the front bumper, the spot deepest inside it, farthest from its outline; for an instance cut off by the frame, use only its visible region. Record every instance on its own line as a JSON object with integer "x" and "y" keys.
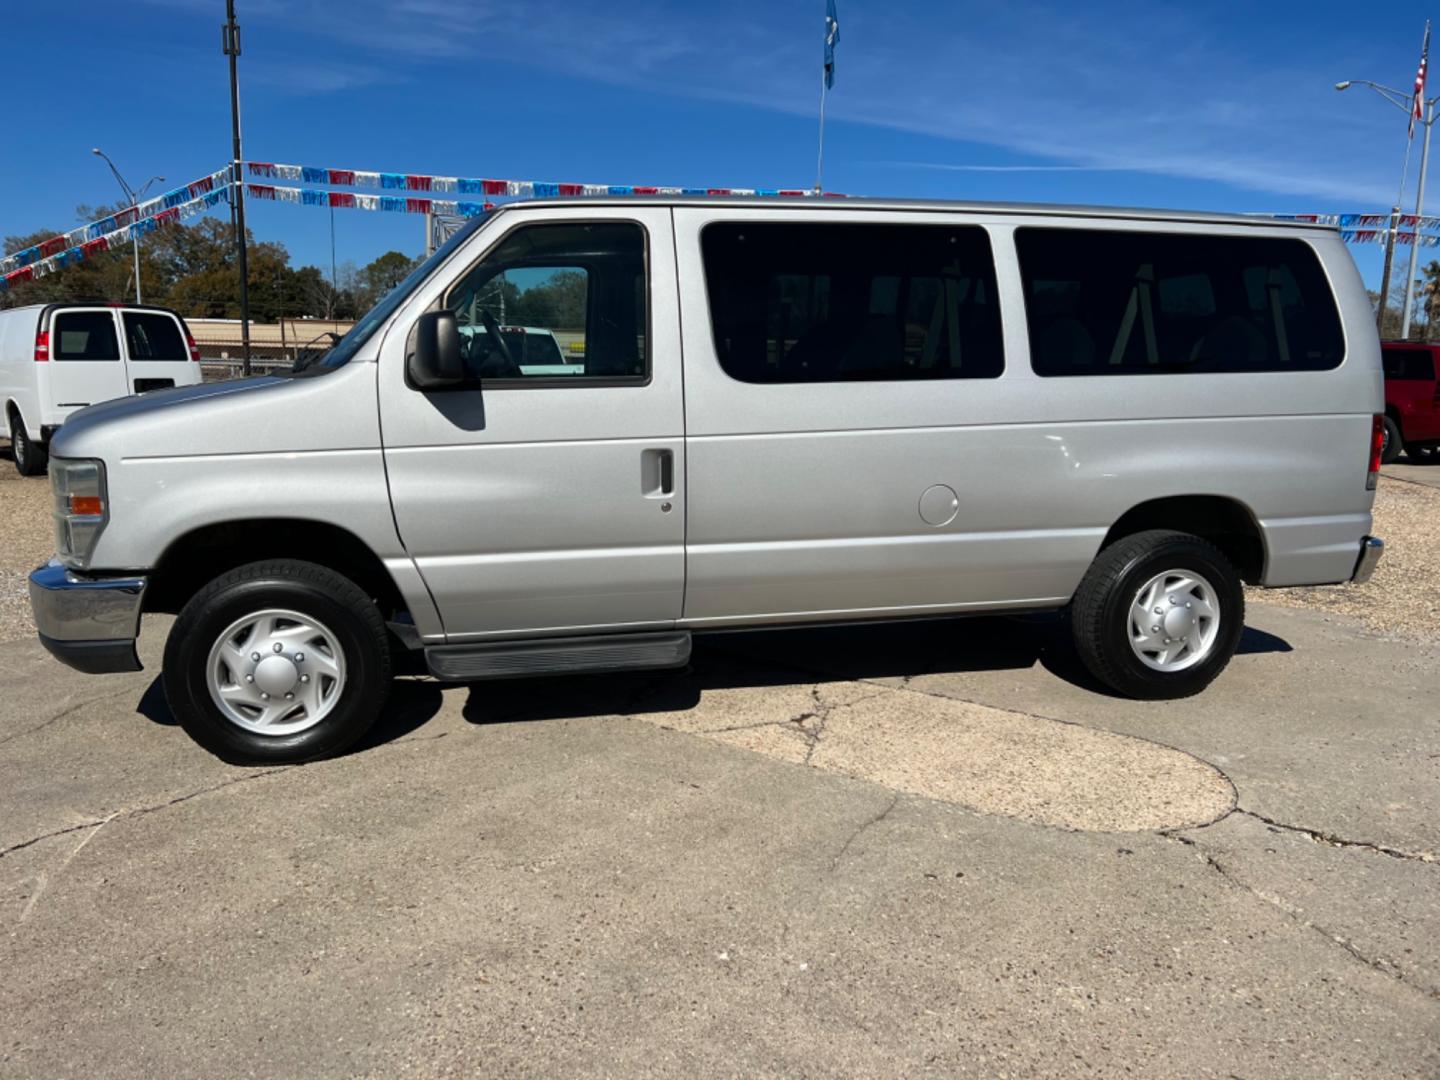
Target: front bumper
{"x": 1371, "y": 548}
{"x": 89, "y": 623}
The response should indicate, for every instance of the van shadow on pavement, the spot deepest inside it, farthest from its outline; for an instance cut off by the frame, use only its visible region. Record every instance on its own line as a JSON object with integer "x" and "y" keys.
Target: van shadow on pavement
{"x": 754, "y": 659}
{"x": 826, "y": 654}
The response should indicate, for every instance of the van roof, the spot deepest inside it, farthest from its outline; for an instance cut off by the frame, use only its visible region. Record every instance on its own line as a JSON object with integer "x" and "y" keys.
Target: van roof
{"x": 61, "y": 305}
{"x": 772, "y": 202}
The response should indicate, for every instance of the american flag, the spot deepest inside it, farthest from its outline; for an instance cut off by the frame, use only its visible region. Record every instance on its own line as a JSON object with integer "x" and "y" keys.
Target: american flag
{"x": 1417, "y": 107}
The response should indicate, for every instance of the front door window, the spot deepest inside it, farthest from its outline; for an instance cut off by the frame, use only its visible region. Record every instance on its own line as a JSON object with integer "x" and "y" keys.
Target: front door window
{"x": 567, "y": 302}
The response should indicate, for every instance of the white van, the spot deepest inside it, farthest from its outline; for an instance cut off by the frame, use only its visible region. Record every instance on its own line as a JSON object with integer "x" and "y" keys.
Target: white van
{"x": 56, "y": 358}
{"x": 786, "y": 413}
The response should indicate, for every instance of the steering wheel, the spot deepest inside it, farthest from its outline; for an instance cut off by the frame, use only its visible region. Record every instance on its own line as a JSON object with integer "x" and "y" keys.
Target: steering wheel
{"x": 499, "y": 343}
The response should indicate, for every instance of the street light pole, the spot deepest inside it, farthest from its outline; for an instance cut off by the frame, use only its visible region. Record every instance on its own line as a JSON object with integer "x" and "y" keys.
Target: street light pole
{"x": 1403, "y": 102}
{"x": 230, "y": 39}
{"x": 134, "y": 197}
{"x": 1429, "y": 122}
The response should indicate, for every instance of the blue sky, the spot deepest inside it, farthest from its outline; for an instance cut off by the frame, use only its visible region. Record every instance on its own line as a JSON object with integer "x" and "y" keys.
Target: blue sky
{"x": 1225, "y": 106}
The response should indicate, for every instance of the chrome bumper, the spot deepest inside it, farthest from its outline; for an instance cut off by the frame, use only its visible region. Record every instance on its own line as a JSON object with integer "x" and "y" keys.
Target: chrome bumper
{"x": 1371, "y": 548}
{"x": 89, "y": 623}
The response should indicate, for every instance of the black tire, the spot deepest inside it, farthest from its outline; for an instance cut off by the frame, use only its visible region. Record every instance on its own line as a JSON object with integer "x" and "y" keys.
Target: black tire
{"x": 1100, "y": 612}
{"x": 1390, "y": 449}
{"x": 307, "y": 589}
{"x": 31, "y": 458}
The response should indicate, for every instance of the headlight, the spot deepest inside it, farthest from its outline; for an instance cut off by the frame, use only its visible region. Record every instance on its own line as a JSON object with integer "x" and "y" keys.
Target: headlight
{"x": 80, "y": 510}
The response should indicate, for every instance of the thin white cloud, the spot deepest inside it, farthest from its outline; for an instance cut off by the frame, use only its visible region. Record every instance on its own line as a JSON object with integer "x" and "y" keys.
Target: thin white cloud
{"x": 1178, "y": 93}
{"x": 942, "y": 166}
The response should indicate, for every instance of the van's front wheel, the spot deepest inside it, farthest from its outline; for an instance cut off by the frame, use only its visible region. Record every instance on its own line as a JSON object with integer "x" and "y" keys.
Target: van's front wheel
{"x": 1158, "y": 615}
{"x": 277, "y": 663}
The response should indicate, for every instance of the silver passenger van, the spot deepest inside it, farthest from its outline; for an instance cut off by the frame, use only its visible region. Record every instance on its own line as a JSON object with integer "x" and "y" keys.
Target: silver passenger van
{"x": 783, "y": 413}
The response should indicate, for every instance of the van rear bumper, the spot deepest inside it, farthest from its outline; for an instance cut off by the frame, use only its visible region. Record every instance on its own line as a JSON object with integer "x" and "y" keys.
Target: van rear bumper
{"x": 89, "y": 623}
{"x": 1371, "y": 548}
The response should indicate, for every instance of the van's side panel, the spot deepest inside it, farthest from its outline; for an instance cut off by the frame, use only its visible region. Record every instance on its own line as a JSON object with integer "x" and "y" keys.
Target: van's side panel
{"x": 804, "y": 498}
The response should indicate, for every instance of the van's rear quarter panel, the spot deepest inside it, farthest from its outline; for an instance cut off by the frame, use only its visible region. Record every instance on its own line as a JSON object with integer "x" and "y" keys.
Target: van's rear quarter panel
{"x": 1035, "y": 502}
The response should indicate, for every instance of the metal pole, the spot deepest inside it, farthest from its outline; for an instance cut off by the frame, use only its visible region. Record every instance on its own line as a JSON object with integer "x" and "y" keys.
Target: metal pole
{"x": 231, "y": 38}
{"x": 136, "y": 240}
{"x": 134, "y": 197}
{"x": 1389, "y": 265}
{"x": 1419, "y": 209}
{"x": 820, "y": 157}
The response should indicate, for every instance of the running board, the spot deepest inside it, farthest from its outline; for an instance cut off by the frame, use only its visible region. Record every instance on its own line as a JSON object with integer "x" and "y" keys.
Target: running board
{"x": 558, "y": 656}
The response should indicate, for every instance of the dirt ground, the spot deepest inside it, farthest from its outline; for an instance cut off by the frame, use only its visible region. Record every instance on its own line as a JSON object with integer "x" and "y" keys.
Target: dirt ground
{"x": 27, "y": 539}
{"x": 1403, "y": 598}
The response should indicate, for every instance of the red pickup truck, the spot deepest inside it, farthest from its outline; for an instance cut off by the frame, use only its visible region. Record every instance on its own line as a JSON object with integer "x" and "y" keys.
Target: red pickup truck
{"x": 1412, "y": 401}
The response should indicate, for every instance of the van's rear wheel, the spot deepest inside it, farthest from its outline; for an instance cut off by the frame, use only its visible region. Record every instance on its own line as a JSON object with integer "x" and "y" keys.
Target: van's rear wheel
{"x": 31, "y": 458}
{"x": 277, "y": 663}
{"x": 1158, "y": 615}
{"x": 1390, "y": 447}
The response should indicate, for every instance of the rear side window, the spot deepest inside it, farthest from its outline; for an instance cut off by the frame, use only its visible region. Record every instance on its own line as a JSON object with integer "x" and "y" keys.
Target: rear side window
{"x": 804, "y": 303}
{"x": 1408, "y": 364}
{"x": 1122, "y": 303}
{"x": 151, "y": 335}
{"x": 84, "y": 335}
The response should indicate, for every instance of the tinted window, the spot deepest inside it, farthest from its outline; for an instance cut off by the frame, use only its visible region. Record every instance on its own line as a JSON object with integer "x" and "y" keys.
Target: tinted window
{"x": 838, "y": 303}
{"x": 569, "y": 301}
{"x": 84, "y": 335}
{"x": 1120, "y": 303}
{"x": 1408, "y": 364}
{"x": 150, "y": 335}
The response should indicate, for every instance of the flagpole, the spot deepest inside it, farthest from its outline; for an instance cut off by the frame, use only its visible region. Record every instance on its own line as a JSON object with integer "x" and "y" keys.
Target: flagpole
{"x": 820, "y": 157}
{"x": 1392, "y": 236}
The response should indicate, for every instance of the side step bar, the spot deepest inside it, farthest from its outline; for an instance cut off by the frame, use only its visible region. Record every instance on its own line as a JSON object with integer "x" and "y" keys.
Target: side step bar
{"x": 558, "y": 656}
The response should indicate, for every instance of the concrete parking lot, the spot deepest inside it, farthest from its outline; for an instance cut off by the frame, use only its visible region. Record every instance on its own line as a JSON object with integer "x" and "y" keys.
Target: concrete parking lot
{"x": 866, "y": 851}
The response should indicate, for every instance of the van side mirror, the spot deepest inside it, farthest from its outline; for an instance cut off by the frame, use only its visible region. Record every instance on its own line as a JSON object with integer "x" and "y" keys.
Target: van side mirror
{"x": 433, "y": 360}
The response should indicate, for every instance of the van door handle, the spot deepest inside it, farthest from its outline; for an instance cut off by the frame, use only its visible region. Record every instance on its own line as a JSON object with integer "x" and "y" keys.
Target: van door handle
{"x": 657, "y": 473}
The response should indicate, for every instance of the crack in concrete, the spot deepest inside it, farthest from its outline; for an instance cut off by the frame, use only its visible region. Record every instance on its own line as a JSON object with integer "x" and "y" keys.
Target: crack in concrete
{"x": 1375, "y": 963}
{"x": 821, "y": 715}
{"x": 42, "y": 879}
{"x": 68, "y": 710}
{"x": 869, "y": 823}
{"x": 1331, "y": 840}
{"x": 140, "y": 811}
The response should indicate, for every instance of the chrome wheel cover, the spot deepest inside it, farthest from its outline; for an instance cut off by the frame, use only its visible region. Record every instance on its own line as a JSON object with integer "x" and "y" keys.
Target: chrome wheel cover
{"x": 275, "y": 672}
{"x": 1174, "y": 621}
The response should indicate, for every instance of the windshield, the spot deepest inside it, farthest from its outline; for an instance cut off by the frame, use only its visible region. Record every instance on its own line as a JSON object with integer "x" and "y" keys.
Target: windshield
{"x": 346, "y": 348}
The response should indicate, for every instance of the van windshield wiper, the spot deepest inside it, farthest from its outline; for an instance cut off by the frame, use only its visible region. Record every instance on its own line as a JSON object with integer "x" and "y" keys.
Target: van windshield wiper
{"x": 308, "y": 355}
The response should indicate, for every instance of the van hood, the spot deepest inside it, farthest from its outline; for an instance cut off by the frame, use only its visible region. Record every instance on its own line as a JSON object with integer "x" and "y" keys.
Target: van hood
{"x": 243, "y": 416}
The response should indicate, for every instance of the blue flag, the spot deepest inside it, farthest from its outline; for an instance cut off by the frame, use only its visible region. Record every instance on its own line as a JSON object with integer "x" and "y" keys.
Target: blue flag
{"x": 832, "y": 38}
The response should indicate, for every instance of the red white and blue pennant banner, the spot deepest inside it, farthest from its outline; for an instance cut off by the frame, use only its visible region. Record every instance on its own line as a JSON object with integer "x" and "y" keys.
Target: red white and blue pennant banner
{"x": 123, "y": 232}
{"x": 1378, "y": 236}
{"x": 159, "y": 208}
{"x": 414, "y": 193}
{"x": 419, "y": 185}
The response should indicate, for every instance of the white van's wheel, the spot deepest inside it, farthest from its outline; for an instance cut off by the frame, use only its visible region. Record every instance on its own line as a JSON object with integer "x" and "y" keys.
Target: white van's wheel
{"x": 277, "y": 663}
{"x": 31, "y": 459}
{"x": 1158, "y": 615}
